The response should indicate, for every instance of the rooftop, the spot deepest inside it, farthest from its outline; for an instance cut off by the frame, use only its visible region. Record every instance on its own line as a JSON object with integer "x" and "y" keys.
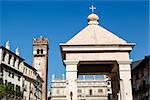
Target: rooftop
{"x": 95, "y": 34}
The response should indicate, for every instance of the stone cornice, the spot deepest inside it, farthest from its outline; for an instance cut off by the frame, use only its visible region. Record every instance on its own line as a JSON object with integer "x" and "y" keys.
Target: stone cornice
{"x": 125, "y": 62}
{"x": 70, "y": 62}
{"x": 97, "y": 47}
{"x": 128, "y": 44}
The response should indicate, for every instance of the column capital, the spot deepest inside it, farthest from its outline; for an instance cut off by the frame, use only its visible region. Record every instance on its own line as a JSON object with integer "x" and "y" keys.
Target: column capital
{"x": 125, "y": 61}
{"x": 71, "y": 62}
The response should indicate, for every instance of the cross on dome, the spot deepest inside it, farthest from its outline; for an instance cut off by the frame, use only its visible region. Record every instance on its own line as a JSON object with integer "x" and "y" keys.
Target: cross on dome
{"x": 93, "y": 18}
{"x": 92, "y": 8}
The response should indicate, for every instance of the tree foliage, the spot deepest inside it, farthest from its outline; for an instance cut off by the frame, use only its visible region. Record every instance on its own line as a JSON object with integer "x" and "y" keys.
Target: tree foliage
{"x": 2, "y": 90}
{"x": 8, "y": 89}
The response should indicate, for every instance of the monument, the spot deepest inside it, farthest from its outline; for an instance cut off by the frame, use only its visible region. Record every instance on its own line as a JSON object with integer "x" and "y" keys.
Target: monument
{"x": 96, "y": 51}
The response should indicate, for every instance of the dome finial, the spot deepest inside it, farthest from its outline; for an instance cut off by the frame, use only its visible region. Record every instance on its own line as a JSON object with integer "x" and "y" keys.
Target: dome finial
{"x": 93, "y": 18}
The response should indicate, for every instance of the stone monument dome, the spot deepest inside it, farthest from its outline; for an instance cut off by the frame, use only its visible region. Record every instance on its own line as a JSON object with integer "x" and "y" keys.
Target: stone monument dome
{"x": 93, "y": 19}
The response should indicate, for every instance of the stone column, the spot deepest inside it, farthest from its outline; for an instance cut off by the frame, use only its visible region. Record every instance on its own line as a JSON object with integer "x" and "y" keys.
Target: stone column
{"x": 71, "y": 80}
{"x": 125, "y": 80}
{"x": 119, "y": 96}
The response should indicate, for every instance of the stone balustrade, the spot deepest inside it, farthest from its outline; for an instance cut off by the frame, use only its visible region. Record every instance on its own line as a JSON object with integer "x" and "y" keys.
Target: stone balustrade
{"x": 11, "y": 60}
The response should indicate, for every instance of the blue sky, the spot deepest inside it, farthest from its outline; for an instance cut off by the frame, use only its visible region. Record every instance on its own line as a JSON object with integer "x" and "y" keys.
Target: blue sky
{"x": 59, "y": 21}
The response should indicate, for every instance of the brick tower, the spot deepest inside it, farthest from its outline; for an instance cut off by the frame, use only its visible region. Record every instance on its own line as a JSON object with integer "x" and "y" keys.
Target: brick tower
{"x": 40, "y": 61}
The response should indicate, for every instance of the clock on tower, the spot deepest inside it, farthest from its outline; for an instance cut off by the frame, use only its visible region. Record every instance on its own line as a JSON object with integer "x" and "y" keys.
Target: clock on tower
{"x": 40, "y": 61}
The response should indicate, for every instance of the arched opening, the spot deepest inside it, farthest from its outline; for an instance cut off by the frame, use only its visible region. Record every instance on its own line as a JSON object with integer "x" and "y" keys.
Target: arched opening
{"x": 90, "y": 92}
{"x": 105, "y": 70}
{"x": 41, "y": 51}
{"x": 38, "y": 51}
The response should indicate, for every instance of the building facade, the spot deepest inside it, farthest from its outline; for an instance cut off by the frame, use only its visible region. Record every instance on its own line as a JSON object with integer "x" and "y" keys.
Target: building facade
{"x": 141, "y": 79}
{"x": 40, "y": 61}
{"x": 88, "y": 89}
{"x": 18, "y": 80}
{"x": 32, "y": 83}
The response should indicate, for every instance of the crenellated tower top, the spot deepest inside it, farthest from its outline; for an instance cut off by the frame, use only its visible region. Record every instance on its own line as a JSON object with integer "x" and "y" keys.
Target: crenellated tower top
{"x": 40, "y": 40}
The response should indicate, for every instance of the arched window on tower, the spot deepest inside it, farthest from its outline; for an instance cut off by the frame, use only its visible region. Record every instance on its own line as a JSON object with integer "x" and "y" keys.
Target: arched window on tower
{"x": 41, "y": 51}
{"x": 108, "y": 83}
{"x": 38, "y": 51}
